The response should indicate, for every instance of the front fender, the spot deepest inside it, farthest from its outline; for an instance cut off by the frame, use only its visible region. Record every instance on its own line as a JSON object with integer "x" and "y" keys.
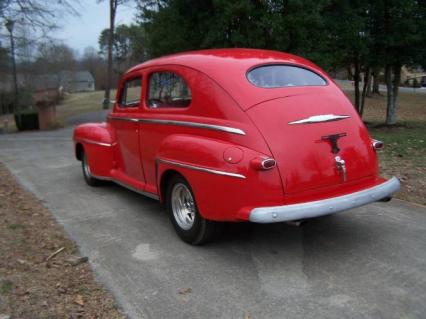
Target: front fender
{"x": 96, "y": 139}
{"x": 220, "y": 174}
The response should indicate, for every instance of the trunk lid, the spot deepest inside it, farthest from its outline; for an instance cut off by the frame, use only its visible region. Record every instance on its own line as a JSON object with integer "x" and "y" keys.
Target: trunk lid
{"x": 299, "y": 131}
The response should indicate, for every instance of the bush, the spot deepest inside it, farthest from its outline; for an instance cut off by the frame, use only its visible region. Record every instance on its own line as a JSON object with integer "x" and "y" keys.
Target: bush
{"x": 27, "y": 120}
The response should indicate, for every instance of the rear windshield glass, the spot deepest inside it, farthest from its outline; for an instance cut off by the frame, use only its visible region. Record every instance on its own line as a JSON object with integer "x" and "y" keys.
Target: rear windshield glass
{"x": 277, "y": 76}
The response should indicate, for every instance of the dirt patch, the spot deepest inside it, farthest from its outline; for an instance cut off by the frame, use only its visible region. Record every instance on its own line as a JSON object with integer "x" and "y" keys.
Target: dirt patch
{"x": 42, "y": 274}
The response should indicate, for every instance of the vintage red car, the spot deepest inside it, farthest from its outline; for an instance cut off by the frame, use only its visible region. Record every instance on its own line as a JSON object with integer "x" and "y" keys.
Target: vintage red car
{"x": 234, "y": 135}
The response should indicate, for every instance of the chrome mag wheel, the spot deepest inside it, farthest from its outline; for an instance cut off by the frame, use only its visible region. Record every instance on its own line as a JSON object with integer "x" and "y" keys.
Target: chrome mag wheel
{"x": 86, "y": 168}
{"x": 183, "y": 206}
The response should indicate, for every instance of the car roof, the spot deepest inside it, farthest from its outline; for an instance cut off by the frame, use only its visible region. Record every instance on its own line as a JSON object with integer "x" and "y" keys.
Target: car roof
{"x": 228, "y": 67}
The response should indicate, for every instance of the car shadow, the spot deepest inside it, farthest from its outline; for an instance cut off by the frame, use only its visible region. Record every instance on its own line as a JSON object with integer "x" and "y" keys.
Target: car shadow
{"x": 339, "y": 234}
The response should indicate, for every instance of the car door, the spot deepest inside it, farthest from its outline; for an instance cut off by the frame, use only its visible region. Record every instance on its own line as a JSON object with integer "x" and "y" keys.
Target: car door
{"x": 124, "y": 120}
{"x": 168, "y": 96}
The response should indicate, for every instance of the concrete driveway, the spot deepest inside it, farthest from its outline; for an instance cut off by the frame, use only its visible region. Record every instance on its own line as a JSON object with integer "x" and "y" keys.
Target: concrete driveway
{"x": 365, "y": 263}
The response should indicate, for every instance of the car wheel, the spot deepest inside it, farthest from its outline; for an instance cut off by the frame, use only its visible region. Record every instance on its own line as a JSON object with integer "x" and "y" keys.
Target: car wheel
{"x": 90, "y": 180}
{"x": 185, "y": 217}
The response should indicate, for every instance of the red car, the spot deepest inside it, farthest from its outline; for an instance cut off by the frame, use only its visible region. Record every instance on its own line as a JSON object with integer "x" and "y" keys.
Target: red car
{"x": 234, "y": 135}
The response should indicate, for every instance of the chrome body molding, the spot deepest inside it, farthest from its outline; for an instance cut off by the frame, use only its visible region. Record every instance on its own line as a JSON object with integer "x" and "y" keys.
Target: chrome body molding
{"x": 147, "y": 194}
{"x": 110, "y": 179}
{"x": 196, "y": 125}
{"x": 326, "y": 206}
{"x": 119, "y": 118}
{"x": 201, "y": 169}
{"x": 320, "y": 119}
{"x": 85, "y": 140}
{"x": 213, "y": 127}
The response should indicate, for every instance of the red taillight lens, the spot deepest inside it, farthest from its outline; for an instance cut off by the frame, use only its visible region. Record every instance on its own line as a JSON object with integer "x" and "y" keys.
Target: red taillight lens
{"x": 263, "y": 163}
{"x": 377, "y": 145}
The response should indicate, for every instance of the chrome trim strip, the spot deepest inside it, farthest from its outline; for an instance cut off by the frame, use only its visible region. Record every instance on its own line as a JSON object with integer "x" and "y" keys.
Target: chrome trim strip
{"x": 324, "y": 207}
{"x": 202, "y": 169}
{"x": 127, "y": 119}
{"x": 147, "y": 194}
{"x": 320, "y": 119}
{"x": 85, "y": 140}
{"x": 195, "y": 124}
{"x": 214, "y": 127}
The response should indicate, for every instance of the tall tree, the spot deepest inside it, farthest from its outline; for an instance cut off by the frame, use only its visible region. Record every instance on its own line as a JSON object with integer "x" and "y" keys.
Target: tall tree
{"x": 179, "y": 25}
{"x": 113, "y": 6}
{"x": 128, "y": 45}
{"x": 399, "y": 34}
{"x": 348, "y": 41}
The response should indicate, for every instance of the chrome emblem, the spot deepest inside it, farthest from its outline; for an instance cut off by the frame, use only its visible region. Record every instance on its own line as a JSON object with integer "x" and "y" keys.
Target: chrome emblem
{"x": 341, "y": 167}
{"x": 333, "y": 141}
{"x": 320, "y": 119}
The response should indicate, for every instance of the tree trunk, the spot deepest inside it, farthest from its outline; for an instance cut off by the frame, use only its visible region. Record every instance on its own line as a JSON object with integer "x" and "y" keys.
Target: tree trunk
{"x": 393, "y": 78}
{"x": 357, "y": 78}
{"x": 376, "y": 73}
{"x": 112, "y": 10}
{"x": 367, "y": 84}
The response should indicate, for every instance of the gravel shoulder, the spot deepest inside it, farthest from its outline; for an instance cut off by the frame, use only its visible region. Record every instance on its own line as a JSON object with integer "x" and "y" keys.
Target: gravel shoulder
{"x": 34, "y": 281}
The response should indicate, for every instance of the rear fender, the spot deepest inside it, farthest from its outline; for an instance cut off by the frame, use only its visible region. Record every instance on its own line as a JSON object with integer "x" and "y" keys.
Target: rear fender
{"x": 96, "y": 139}
{"x": 219, "y": 173}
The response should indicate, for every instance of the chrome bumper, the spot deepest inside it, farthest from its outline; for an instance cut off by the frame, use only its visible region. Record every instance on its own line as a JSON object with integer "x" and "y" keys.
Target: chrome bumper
{"x": 327, "y": 206}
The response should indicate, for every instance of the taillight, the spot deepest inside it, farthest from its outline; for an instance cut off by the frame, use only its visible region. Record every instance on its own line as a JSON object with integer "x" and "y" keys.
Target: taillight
{"x": 377, "y": 145}
{"x": 263, "y": 163}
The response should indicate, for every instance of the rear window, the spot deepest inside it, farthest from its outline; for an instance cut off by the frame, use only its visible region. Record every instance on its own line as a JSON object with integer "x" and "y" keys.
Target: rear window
{"x": 278, "y": 76}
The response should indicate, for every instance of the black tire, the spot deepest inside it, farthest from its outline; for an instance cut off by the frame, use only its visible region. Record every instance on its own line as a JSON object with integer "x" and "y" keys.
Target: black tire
{"x": 201, "y": 230}
{"x": 90, "y": 180}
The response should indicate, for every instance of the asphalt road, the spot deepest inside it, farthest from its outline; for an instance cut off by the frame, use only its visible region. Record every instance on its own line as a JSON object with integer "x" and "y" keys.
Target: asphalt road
{"x": 365, "y": 263}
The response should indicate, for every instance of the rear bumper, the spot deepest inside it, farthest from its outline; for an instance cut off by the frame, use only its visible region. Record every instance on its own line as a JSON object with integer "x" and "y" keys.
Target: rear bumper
{"x": 327, "y": 206}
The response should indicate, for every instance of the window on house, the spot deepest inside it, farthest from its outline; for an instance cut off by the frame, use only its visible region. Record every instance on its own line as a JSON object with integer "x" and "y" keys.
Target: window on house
{"x": 167, "y": 89}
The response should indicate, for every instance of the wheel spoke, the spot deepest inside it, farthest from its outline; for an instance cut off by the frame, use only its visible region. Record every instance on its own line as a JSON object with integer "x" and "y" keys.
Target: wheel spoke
{"x": 183, "y": 206}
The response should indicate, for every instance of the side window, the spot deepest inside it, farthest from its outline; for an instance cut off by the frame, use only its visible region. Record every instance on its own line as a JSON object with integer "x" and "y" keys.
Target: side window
{"x": 167, "y": 89}
{"x": 131, "y": 93}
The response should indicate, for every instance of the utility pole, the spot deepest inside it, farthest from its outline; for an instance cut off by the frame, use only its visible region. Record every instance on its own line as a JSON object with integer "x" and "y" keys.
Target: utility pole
{"x": 9, "y": 26}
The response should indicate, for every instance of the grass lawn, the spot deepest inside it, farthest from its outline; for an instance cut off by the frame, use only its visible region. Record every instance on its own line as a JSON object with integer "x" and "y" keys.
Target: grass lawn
{"x": 404, "y": 154}
{"x": 78, "y": 103}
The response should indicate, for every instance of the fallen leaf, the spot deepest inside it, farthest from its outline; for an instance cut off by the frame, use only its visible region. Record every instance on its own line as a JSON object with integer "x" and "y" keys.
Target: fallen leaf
{"x": 79, "y": 300}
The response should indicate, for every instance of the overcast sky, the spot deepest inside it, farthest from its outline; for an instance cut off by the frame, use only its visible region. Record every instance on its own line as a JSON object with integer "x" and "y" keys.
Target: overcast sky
{"x": 83, "y": 31}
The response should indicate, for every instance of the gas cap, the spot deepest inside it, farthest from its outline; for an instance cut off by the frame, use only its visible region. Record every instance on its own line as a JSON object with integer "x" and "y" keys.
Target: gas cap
{"x": 233, "y": 155}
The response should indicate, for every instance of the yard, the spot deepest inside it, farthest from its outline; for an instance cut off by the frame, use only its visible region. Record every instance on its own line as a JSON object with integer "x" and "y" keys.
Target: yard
{"x": 404, "y": 154}
{"x": 42, "y": 274}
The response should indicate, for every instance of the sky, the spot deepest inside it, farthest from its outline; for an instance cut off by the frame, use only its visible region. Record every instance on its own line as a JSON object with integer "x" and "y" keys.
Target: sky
{"x": 82, "y": 31}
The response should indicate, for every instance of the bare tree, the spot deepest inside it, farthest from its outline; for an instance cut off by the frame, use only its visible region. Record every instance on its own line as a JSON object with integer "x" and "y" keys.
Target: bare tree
{"x": 41, "y": 15}
{"x": 113, "y": 5}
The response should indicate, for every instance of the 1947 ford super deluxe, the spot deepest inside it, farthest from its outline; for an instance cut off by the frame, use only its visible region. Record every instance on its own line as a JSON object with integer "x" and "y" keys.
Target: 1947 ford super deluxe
{"x": 234, "y": 135}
